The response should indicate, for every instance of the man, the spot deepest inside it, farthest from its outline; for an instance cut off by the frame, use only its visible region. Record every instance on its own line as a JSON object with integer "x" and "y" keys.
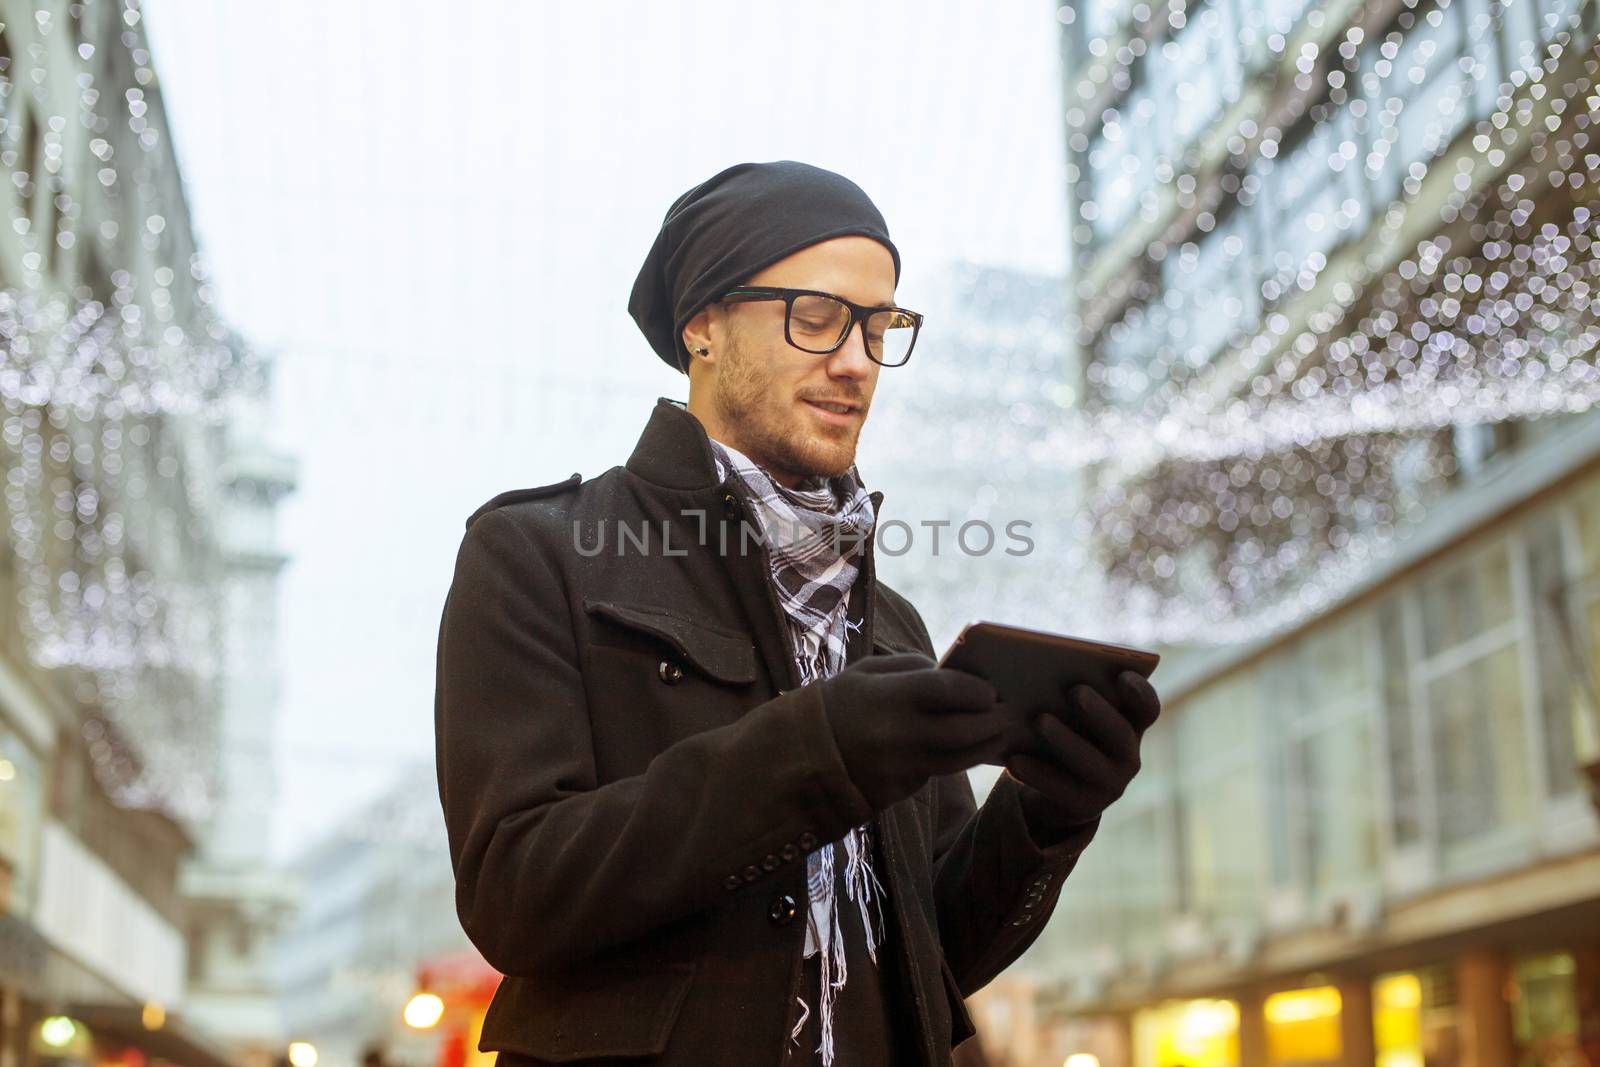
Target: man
{"x": 705, "y": 788}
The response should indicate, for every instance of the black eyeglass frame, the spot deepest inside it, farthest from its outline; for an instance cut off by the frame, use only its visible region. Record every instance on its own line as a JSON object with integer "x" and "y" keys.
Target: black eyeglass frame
{"x": 858, "y": 313}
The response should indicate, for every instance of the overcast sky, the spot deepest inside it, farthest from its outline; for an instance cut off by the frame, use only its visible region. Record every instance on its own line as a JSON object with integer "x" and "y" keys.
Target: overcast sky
{"x": 431, "y": 216}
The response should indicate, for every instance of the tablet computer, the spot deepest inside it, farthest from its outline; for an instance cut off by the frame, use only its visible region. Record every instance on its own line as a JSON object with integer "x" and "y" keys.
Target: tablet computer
{"x": 1033, "y": 670}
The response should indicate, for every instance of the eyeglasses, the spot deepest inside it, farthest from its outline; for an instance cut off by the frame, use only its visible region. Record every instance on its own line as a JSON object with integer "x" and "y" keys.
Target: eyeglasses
{"x": 820, "y": 322}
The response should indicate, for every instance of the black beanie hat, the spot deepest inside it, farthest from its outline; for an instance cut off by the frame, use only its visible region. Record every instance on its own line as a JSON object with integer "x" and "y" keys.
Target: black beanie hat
{"x": 734, "y": 224}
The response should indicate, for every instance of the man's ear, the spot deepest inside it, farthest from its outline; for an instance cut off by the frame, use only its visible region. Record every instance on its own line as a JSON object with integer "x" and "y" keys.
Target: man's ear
{"x": 697, "y": 334}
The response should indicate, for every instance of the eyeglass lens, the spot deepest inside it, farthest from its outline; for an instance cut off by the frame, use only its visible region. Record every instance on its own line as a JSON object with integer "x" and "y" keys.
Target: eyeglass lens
{"x": 817, "y": 323}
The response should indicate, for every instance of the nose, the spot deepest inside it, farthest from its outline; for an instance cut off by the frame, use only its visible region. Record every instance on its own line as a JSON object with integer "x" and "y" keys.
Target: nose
{"x": 850, "y": 360}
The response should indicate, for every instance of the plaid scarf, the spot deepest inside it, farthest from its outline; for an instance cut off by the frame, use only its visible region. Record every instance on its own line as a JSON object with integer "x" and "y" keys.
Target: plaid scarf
{"x": 815, "y": 534}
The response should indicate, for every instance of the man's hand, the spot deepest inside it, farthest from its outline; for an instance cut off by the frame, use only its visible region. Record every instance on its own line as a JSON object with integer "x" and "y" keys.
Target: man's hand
{"x": 899, "y": 720}
{"x": 1094, "y": 752}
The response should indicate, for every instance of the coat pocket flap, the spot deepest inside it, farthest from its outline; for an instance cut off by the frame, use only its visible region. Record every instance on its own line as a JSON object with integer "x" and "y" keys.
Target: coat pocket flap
{"x": 725, "y": 656}
{"x": 630, "y": 1013}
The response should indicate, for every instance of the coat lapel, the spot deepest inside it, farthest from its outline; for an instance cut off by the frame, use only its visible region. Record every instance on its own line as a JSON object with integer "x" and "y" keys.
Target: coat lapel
{"x": 677, "y": 471}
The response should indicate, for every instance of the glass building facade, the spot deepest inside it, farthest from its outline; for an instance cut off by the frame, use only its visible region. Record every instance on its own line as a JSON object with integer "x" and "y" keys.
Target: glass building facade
{"x": 1426, "y": 734}
{"x": 1366, "y": 836}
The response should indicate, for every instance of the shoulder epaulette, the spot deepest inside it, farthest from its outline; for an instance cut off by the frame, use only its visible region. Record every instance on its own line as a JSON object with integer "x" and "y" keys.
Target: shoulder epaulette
{"x": 516, "y": 496}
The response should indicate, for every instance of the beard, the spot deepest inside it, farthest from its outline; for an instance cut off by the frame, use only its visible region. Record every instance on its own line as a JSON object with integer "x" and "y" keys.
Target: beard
{"x": 771, "y": 427}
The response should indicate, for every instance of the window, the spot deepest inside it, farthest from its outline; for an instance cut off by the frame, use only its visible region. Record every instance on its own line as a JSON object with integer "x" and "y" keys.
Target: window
{"x": 1405, "y": 793}
{"x": 1418, "y": 95}
{"x": 1519, "y": 33}
{"x": 1134, "y": 351}
{"x": 1258, "y": 21}
{"x": 1467, "y": 601}
{"x": 1212, "y": 290}
{"x": 1224, "y": 799}
{"x": 1121, "y": 159}
{"x": 1587, "y": 595}
{"x": 21, "y": 803}
{"x": 1473, "y": 685}
{"x": 1145, "y": 883}
{"x": 13, "y": 111}
{"x": 1199, "y": 74}
{"x": 1479, "y": 754}
{"x": 1313, "y": 197}
{"x": 1561, "y": 697}
{"x": 1284, "y": 691}
{"x": 1103, "y": 18}
{"x": 1336, "y": 745}
{"x": 1475, "y": 444}
{"x": 1560, "y": 16}
{"x": 1320, "y": 693}
{"x": 1546, "y": 1015}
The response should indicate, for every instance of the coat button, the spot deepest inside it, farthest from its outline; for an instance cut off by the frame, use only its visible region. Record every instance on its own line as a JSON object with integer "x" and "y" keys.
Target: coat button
{"x": 730, "y": 505}
{"x": 782, "y": 909}
{"x": 670, "y": 672}
{"x": 788, "y": 851}
{"x": 770, "y": 863}
{"x": 732, "y": 882}
{"x": 808, "y": 840}
{"x": 751, "y": 873}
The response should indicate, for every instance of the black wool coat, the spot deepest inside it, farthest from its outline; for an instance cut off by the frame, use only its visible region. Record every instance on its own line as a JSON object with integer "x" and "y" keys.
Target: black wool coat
{"x": 632, "y": 777}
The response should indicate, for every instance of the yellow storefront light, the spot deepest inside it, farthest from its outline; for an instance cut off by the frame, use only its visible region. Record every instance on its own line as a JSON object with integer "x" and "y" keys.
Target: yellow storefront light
{"x": 154, "y": 1016}
{"x": 1397, "y": 1020}
{"x": 1301, "y": 1005}
{"x": 58, "y": 1031}
{"x": 1203, "y": 1020}
{"x": 423, "y": 1011}
{"x": 1399, "y": 991}
{"x": 302, "y": 1054}
{"x": 1187, "y": 1033}
{"x": 1400, "y": 1057}
{"x": 1303, "y": 1025}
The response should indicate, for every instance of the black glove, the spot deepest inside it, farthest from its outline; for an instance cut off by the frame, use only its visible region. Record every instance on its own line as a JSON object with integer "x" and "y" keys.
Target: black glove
{"x": 1095, "y": 750}
{"x": 899, "y": 720}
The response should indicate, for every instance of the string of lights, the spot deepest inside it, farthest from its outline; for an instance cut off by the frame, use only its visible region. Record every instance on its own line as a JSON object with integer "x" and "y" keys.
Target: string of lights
{"x": 116, "y": 375}
{"x": 1223, "y": 513}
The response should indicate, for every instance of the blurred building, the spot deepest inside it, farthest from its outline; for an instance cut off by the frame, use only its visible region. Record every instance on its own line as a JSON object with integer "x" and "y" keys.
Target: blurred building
{"x": 1364, "y": 833}
{"x": 90, "y": 886}
{"x": 377, "y": 910}
{"x": 237, "y": 901}
{"x": 115, "y": 571}
{"x": 972, "y": 518}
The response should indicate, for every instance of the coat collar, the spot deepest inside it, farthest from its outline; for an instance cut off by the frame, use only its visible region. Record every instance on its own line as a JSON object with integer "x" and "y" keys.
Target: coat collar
{"x": 674, "y": 451}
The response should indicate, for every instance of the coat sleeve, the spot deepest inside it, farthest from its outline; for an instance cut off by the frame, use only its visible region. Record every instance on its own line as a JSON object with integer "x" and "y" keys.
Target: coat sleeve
{"x": 996, "y": 876}
{"x": 551, "y": 866}
{"x": 998, "y": 868}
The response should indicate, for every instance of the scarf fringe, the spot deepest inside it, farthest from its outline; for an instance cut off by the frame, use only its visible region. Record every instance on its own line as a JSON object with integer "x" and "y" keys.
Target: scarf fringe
{"x": 861, "y": 886}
